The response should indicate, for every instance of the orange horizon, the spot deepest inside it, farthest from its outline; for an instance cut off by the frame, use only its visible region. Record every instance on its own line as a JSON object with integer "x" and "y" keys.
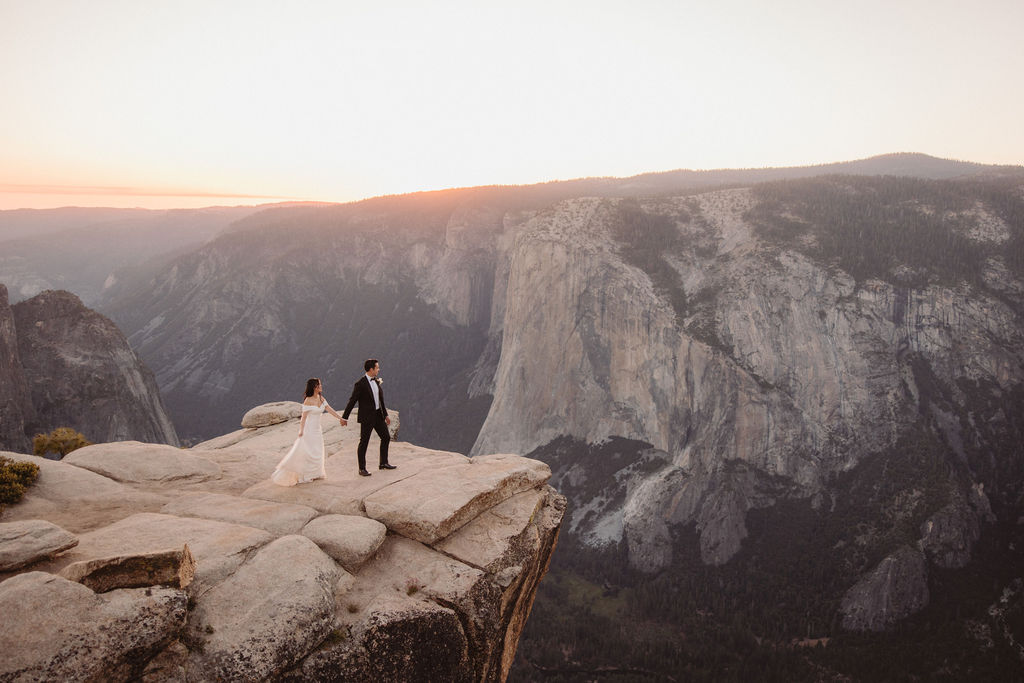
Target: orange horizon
{"x": 15, "y": 197}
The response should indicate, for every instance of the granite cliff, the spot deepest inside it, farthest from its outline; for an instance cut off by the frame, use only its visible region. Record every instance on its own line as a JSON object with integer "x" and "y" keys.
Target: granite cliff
{"x": 64, "y": 365}
{"x": 129, "y": 560}
{"x": 757, "y": 370}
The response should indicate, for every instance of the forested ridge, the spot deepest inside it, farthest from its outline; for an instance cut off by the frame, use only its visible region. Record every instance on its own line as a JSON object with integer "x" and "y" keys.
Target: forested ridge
{"x": 771, "y": 613}
{"x": 911, "y": 231}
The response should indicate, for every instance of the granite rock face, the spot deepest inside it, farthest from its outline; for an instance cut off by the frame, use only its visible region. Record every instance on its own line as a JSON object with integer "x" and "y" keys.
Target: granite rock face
{"x": 203, "y": 578}
{"x": 896, "y": 588}
{"x": 758, "y": 371}
{"x": 15, "y": 400}
{"x": 72, "y": 367}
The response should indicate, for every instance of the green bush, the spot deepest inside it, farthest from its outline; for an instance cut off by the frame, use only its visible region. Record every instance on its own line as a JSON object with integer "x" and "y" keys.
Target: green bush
{"x": 15, "y": 478}
{"x": 61, "y": 440}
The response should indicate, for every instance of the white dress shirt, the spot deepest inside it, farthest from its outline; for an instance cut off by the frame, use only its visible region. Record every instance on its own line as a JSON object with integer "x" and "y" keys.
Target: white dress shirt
{"x": 375, "y": 391}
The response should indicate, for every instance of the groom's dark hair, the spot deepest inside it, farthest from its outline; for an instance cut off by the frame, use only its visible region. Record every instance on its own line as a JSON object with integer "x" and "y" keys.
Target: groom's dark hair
{"x": 368, "y": 365}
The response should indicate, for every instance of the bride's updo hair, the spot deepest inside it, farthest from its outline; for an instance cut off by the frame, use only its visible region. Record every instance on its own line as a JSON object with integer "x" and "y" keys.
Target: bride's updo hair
{"x": 311, "y": 385}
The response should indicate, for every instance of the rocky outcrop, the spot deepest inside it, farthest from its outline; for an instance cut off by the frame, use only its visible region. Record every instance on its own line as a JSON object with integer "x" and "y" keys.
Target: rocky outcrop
{"x": 226, "y": 584}
{"x": 72, "y": 367}
{"x": 896, "y": 588}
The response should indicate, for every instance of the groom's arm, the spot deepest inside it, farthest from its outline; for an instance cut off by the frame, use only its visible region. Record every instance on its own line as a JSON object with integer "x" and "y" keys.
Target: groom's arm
{"x": 351, "y": 402}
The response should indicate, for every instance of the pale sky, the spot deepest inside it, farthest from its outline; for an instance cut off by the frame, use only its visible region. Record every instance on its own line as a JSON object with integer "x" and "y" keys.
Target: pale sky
{"x": 179, "y": 103}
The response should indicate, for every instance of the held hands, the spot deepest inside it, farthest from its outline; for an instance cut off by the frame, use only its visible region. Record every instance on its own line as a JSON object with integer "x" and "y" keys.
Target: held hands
{"x": 343, "y": 421}
{"x": 387, "y": 420}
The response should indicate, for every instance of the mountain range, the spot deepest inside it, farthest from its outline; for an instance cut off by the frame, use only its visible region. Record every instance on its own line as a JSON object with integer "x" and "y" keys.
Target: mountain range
{"x": 782, "y": 403}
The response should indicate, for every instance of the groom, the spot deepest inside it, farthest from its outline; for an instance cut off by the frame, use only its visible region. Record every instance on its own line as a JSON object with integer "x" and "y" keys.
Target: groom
{"x": 373, "y": 416}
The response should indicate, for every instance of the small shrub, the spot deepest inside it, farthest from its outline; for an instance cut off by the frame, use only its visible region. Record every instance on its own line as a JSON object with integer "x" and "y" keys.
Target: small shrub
{"x": 352, "y": 609}
{"x": 209, "y": 629}
{"x": 411, "y": 588}
{"x": 15, "y": 478}
{"x": 61, "y": 440}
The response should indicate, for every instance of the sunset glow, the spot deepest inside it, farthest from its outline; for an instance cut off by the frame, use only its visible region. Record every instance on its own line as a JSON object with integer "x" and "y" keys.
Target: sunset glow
{"x": 123, "y": 103}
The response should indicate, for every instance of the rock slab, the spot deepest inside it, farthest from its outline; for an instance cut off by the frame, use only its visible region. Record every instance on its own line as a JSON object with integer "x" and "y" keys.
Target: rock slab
{"x": 22, "y": 543}
{"x": 434, "y": 503}
{"x": 279, "y": 519}
{"x": 219, "y": 548}
{"x": 133, "y": 462}
{"x": 485, "y": 542}
{"x": 174, "y": 568}
{"x": 77, "y": 635}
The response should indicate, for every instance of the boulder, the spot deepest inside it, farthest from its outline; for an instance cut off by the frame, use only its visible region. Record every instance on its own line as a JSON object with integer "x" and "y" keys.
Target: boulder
{"x": 432, "y": 504}
{"x": 174, "y": 568}
{"x": 134, "y": 462}
{"x": 279, "y": 519}
{"x": 272, "y": 414}
{"x": 348, "y": 539}
{"x": 22, "y": 543}
{"x": 267, "y": 615}
{"x": 896, "y": 588}
{"x": 69, "y": 633}
{"x": 219, "y": 548}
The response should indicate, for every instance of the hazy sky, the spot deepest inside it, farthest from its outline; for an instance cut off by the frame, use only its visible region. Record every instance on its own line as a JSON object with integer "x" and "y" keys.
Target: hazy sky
{"x": 178, "y": 103}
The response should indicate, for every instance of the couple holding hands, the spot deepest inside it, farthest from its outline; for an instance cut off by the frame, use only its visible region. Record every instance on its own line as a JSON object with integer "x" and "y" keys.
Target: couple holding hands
{"x": 305, "y": 461}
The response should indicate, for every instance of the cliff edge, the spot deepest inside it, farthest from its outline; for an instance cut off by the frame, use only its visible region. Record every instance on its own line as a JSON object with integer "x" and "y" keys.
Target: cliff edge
{"x": 189, "y": 565}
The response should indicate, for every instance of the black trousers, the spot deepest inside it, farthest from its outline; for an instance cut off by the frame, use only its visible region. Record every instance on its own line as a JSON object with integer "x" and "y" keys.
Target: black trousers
{"x": 375, "y": 424}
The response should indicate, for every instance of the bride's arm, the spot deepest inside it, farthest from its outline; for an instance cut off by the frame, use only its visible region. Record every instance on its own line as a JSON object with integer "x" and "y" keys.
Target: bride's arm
{"x": 329, "y": 409}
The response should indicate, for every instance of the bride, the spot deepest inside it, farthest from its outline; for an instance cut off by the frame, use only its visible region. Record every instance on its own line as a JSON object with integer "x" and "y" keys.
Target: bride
{"x": 305, "y": 461}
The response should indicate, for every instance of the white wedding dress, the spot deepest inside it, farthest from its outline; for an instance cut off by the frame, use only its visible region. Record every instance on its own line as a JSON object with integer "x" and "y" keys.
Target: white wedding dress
{"x": 305, "y": 461}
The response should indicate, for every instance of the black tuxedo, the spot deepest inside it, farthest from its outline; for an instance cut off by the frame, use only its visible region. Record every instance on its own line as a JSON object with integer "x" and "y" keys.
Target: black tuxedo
{"x": 370, "y": 419}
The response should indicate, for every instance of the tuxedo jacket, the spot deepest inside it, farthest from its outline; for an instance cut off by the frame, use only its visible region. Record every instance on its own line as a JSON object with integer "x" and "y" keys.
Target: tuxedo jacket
{"x": 362, "y": 395}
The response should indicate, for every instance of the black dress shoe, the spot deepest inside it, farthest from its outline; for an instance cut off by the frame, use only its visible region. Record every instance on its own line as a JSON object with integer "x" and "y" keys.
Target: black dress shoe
{"x": 386, "y": 466}
{"x": 363, "y": 473}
